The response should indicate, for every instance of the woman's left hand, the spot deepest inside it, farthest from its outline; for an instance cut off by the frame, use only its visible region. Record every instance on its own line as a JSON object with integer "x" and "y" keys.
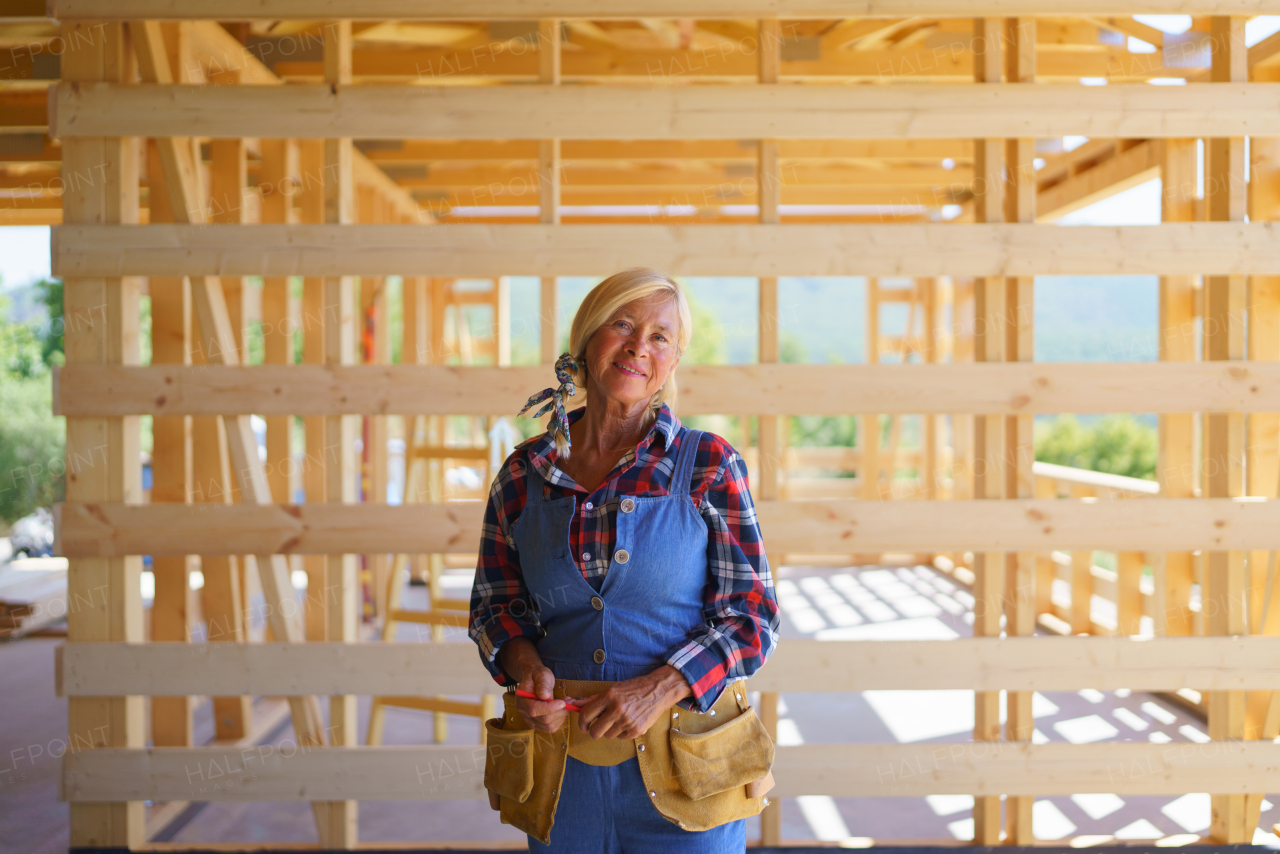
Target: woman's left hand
{"x": 627, "y": 709}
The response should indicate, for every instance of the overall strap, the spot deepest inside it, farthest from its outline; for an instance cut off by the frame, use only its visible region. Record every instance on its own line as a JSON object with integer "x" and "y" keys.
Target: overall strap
{"x": 683, "y": 474}
{"x": 533, "y": 483}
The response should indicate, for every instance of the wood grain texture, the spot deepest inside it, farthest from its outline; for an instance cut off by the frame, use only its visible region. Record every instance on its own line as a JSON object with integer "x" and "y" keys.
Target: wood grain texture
{"x": 731, "y": 111}
{"x": 474, "y": 250}
{"x": 415, "y": 669}
{"x": 993, "y": 388}
{"x": 836, "y": 526}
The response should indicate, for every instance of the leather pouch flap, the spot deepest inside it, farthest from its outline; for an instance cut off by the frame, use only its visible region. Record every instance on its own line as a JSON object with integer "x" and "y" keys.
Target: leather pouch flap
{"x": 733, "y": 754}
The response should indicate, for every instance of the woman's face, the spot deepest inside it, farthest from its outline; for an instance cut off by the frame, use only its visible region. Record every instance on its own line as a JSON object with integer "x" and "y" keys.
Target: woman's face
{"x": 631, "y": 356}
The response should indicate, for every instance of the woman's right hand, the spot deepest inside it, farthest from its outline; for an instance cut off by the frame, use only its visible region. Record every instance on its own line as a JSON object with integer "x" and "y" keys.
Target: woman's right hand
{"x": 519, "y": 659}
{"x": 547, "y": 713}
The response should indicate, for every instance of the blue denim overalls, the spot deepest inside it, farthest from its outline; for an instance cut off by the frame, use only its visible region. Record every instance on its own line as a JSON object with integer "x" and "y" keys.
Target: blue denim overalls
{"x": 648, "y": 602}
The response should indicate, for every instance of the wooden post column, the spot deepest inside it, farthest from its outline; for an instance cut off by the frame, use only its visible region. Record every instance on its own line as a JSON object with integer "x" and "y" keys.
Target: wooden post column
{"x": 104, "y": 595}
{"x": 1172, "y": 572}
{"x": 226, "y": 578}
{"x": 1224, "y": 329}
{"x": 278, "y": 180}
{"x": 768, "y": 444}
{"x": 311, "y": 209}
{"x": 1019, "y": 444}
{"x": 343, "y": 593}
{"x": 989, "y": 308}
{"x": 171, "y": 620}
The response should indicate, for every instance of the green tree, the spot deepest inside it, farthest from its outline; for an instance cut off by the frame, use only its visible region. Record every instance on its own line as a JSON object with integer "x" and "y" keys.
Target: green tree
{"x": 31, "y": 446}
{"x": 51, "y": 344}
{"x": 31, "y": 438}
{"x": 1114, "y": 444}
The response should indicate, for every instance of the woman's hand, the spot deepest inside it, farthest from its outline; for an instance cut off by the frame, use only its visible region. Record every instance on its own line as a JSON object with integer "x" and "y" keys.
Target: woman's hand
{"x": 547, "y": 713}
{"x": 627, "y": 709}
{"x": 519, "y": 658}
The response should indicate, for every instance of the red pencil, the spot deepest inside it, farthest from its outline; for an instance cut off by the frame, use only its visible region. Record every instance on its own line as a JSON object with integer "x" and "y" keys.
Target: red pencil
{"x": 522, "y": 693}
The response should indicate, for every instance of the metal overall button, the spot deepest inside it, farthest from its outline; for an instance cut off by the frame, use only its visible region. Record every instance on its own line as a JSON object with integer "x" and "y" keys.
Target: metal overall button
{"x": 627, "y": 505}
{"x": 597, "y": 603}
{"x": 622, "y": 556}
{"x": 599, "y": 656}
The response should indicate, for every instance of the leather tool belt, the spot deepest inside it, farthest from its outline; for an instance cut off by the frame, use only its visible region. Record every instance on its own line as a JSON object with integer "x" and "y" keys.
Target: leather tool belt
{"x": 701, "y": 770}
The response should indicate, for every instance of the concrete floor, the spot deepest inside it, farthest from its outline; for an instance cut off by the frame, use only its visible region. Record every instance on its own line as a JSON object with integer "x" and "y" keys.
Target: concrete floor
{"x": 852, "y": 603}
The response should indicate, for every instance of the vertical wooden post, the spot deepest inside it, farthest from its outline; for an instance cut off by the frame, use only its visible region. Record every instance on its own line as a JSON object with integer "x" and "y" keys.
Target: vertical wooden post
{"x": 1264, "y": 342}
{"x": 224, "y": 590}
{"x": 989, "y": 306}
{"x": 1173, "y": 572}
{"x": 1019, "y": 449}
{"x": 549, "y": 168}
{"x": 1262, "y": 712}
{"x": 1224, "y": 329}
{"x": 311, "y": 208}
{"x": 768, "y": 445}
{"x": 374, "y": 310}
{"x": 343, "y": 593}
{"x": 278, "y": 178}
{"x": 171, "y": 717}
{"x": 869, "y": 424}
{"x": 929, "y": 423}
{"x": 103, "y": 457}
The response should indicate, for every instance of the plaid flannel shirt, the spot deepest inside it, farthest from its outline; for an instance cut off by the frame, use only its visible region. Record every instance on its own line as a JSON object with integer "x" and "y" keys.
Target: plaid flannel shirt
{"x": 740, "y": 607}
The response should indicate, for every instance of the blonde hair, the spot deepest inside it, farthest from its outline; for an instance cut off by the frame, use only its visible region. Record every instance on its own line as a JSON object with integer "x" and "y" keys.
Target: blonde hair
{"x": 598, "y": 308}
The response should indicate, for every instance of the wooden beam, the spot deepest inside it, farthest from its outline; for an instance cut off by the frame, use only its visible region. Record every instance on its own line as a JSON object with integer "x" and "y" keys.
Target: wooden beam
{"x": 443, "y": 10}
{"x": 774, "y": 389}
{"x": 172, "y": 721}
{"x": 988, "y": 454}
{"x": 1225, "y": 173}
{"x": 415, "y": 669}
{"x": 905, "y": 111}
{"x": 734, "y": 61}
{"x": 217, "y": 341}
{"x": 1223, "y": 248}
{"x": 1125, "y": 170}
{"x": 338, "y": 819}
{"x": 212, "y": 45}
{"x": 575, "y": 151}
{"x": 432, "y": 772}
{"x": 837, "y": 526}
{"x": 1018, "y": 451}
{"x": 111, "y": 586}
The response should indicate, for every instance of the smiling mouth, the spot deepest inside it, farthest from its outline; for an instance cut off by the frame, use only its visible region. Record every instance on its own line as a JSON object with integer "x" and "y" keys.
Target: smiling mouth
{"x": 627, "y": 370}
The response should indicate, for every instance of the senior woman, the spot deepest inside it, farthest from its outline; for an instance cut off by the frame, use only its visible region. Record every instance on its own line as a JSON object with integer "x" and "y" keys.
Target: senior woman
{"x": 622, "y": 587}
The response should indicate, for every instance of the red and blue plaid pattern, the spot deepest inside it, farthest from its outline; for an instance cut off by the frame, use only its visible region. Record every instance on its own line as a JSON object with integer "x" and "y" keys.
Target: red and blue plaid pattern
{"x": 740, "y": 607}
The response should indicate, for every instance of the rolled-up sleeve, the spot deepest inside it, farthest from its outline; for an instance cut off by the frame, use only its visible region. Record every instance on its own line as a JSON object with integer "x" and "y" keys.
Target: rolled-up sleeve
{"x": 499, "y": 599}
{"x": 740, "y": 607}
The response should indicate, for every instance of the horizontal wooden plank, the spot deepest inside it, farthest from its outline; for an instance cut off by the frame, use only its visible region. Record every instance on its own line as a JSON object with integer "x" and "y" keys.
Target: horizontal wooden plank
{"x": 214, "y": 529}
{"x": 994, "y": 768}
{"x": 285, "y": 773}
{"x": 418, "y": 10}
{"x": 926, "y": 249}
{"x": 420, "y": 669}
{"x": 838, "y": 526}
{"x": 774, "y": 389}
{"x": 731, "y": 111}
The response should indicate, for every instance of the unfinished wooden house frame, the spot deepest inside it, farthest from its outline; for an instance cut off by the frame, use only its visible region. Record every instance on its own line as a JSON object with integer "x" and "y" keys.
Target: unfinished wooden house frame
{"x": 732, "y": 122}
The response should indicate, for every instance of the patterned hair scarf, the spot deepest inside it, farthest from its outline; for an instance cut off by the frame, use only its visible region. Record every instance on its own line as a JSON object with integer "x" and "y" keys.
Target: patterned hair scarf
{"x": 559, "y": 422}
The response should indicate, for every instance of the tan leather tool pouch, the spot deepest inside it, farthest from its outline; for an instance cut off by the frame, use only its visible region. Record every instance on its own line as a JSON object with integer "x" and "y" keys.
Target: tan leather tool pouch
{"x": 508, "y": 763}
{"x": 523, "y": 770}
{"x": 732, "y": 755}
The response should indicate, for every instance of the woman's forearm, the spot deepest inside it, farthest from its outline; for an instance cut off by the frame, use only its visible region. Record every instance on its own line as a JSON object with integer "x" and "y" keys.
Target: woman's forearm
{"x": 518, "y": 656}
